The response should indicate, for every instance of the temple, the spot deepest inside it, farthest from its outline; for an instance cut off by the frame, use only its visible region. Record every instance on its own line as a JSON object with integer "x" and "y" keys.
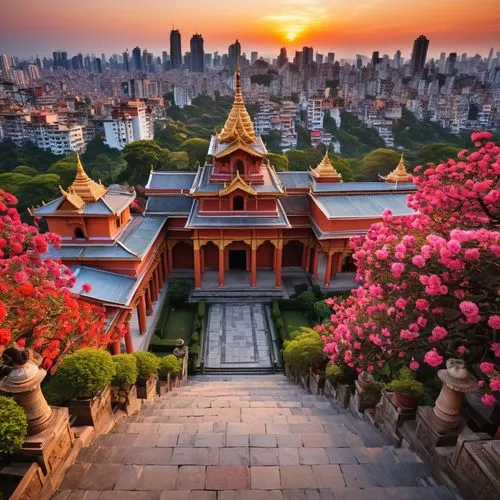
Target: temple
{"x": 233, "y": 220}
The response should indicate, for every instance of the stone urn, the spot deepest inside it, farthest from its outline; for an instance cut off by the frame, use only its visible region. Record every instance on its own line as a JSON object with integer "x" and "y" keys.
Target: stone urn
{"x": 23, "y": 383}
{"x": 456, "y": 380}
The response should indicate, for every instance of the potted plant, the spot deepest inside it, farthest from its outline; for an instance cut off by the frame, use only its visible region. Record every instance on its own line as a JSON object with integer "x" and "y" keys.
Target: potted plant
{"x": 301, "y": 352}
{"x": 406, "y": 389}
{"x": 84, "y": 379}
{"x": 147, "y": 374}
{"x": 123, "y": 388}
{"x": 170, "y": 368}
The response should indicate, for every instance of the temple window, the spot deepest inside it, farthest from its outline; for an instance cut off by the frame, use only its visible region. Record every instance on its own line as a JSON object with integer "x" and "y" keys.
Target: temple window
{"x": 79, "y": 233}
{"x": 240, "y": 167}
{"x": 238, "y": 203}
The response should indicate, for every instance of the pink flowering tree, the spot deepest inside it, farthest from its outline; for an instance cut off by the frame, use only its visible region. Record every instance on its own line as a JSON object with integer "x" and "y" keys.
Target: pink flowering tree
{"x": 37, "y": 308}
{"x": 429, "y": 282}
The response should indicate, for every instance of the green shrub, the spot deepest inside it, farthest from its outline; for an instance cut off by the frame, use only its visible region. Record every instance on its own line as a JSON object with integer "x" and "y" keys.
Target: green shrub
{"x": 305, "y": 301}
{"x": 195, "y": 349}
{"x": 202, "y": 310}
{"x": 178, "y": 293}
{"x": 316, "y": 290}
{"x": 170, "y": 364}
{"x": 147, "y": 364}
{"x": 13, "y": 426}
{"x": 125, "y": 371}
{"x": 196, "y": 324}
{"x": 406, "y": 383}
{"x": 195, "y": 338}
{"x": 85, "y": 372}
{"x": 338, "y": 373}
{"x": 304, "y": 350}
{"x": 322, "y": 310}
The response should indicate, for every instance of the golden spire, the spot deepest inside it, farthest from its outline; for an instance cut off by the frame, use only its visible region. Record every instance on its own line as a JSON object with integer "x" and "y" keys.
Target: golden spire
{"x": 238, "y": 126}
{"x": 399, "y": 174}
{"x": 84, "y": 186}
{"x": 325, "y": 169}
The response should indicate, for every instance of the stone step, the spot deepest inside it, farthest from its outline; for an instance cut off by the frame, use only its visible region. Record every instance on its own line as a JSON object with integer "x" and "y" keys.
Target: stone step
{"x": 234, "y": 437}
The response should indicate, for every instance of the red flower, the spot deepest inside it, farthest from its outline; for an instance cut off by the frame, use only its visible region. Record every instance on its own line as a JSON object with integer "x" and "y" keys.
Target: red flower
{"x": 86, "y": 287}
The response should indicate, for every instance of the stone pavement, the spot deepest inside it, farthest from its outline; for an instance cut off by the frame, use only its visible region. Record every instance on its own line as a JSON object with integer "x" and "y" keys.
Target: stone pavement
{"x": 236, "y": 337}
{"x": 246, "y": 438}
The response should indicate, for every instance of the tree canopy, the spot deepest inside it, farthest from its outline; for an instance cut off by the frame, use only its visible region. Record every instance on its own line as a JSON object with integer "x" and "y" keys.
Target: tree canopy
{"x": 380, "y": 161}
{"x": 196, "y": 149}
{"x": 279, "y": 162}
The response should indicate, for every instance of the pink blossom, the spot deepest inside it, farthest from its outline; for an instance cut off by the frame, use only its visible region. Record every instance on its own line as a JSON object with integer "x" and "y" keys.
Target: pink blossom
{"x": 438, "y": 333}
{"x": 414, "y": 365}
{"x": 401, "y": 303}
{"x": 495, "y": 384}
{"x": 495, "y": 347}
{"x": 487, "y": 368}
{"x": 381, "y": 254}
{"x": 461, "y": 350}
{"x": 418, "y": 261}
{"x": 21, "y": 277}
{"x": 422, "y": 304}
{"x": 468, "y": 308}
{"x": 432, "y": 358}
{"x": 397, "y": 269}
{"x": 454, "y": 246}
{"x": 488, "y": 399}
{"x": 494, "y": 322}
{"x": 471, "y": 254}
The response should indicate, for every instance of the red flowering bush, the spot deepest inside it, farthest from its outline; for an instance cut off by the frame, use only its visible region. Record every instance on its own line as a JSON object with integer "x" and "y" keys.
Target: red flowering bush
{"x": 37, "y": 308}
{"x": 429, "y": 281}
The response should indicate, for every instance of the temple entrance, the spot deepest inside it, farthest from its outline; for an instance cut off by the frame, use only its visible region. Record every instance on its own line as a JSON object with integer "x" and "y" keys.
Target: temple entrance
{"x": 238, "y": 259}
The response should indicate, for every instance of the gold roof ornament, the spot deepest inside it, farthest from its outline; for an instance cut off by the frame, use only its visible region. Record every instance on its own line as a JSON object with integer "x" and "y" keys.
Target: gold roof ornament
{"x": 399, "y": 174}
{"x": 237, "y": 183}
{"x": 83, "y": 186}
{"x": 325, "y": 169}
{"x": 238, "y": 126}
{"x": 72, "y": 197}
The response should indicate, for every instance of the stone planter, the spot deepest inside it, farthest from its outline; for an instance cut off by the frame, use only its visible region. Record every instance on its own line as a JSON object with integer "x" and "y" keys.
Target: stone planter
{"x": 127, "y": 400}
{"x": 96, "y": 412}
{"x": 330, "y": 390}
{"x": 165, "y": 385}
{"x": 343, "y": 395}
{"x": 366, "y": 395}
{"x": 146, "y": 388}
{"x": 404, "y": 400}
{"x": 22, "y": 481}
{"x": 317, "y": 383}
{"x": 390, "y": 417}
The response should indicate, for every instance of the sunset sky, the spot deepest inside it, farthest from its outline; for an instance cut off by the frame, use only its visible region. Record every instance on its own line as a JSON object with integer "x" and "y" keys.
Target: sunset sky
{"x": 345, "y": 27}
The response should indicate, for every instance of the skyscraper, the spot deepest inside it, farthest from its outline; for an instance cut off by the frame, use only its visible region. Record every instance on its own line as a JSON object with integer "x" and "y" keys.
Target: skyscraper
{"x": 197, "y": 54}
{"x": 375, "y": 57}
{"x": 451, "y": 62}
{"x": 126, "y": 61}
{"x": 282, "y": 58}
{"x": 175, "y": 49}
{"x": 253, "y": 57}
{"x": 307, "y": 55}
{"x": 136, "y": 59}
{"x": 234, "y": 53}
{"x": 419, "y": 54}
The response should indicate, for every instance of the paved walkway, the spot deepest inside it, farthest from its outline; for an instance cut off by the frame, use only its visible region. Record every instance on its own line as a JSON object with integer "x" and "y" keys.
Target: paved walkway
{"x": 237, "y": 337}
{"x": 246, "y": 438}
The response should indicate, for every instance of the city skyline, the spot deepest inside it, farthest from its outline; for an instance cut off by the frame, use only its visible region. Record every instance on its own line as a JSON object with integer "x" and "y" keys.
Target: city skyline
{"x": 327, "y": 25}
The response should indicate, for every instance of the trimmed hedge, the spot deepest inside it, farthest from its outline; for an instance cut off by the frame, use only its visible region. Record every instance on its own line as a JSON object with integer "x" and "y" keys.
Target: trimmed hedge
{"x": 125, "y": 371}
{"x": 84, "y": 373}
{"x": 304, "y": 350}
{"x": 170, "y": 364}
{"x": 147, "y": 364}
{"x": 13, "y": 426}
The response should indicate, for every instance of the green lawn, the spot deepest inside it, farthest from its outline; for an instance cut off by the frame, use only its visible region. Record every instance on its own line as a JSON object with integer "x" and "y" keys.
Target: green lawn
{"x": 179, "y": 324}
{"x": 294, "y": 320}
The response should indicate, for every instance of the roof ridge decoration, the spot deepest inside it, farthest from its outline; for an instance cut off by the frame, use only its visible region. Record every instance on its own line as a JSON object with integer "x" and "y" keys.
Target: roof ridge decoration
{"x": 71, "y": 197}
{"x": 237, "y": 183}
{"x": 238, "y": 126}
{"x": 399, "y": 174}
{"x": 84, "y": 187}
{"x": 325, "y": 169}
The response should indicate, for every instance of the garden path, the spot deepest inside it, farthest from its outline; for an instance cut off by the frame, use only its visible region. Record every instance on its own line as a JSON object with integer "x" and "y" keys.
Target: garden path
{"x": 246, "y": 438}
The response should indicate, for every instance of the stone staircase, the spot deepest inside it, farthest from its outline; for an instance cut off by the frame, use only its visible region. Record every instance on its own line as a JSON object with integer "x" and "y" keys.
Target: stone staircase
{"x": 245, "y": 438}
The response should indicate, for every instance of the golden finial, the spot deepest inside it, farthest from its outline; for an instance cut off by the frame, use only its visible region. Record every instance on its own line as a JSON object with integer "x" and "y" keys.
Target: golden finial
{"x": 399, "y": 174}
{"x": 325, "y": 169}
{"x": 238, "y": 125}
{"x": 83, "y": 186}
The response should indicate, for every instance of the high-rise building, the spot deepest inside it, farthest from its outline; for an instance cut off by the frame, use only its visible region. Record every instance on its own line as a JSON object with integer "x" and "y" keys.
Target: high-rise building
{"x": 375, "y": 57}
{"x": 5, "y": 62}
{"x": 126, "y": 61}
{"x": 331, "y": 57}
{"x": 234, "y": 53}
{"x": 197, "y": 54}
{"x": 136, "y": 59}
{"x": 307, "y": 55}
{"x": 253, "y": 57}
{"x": 397, "y": 59}
{"x": 451, "y": 62}
{"x": 164, "y": 60}
{"x": 282, "y": 58}
{"x": 419, "y": 54}
{"x": 442, "y": 62}
{"x": 175, "y": 49}
{"x": 319, "y": 58}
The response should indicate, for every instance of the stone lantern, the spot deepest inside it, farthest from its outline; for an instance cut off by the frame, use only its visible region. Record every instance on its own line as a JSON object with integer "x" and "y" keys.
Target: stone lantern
{"x": 23, "y": 383}
{"x": 181, "y": 351}
{"x": 441, "y": 425}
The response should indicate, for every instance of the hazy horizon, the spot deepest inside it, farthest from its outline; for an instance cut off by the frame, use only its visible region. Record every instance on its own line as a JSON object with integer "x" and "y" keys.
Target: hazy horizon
{"x": 111, "y": 26}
